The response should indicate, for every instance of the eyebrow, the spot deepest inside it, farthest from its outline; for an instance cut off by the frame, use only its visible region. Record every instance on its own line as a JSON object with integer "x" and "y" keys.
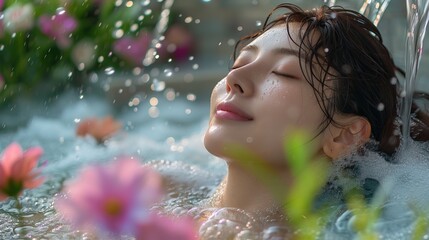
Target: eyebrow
{"x": 283, "y": 51}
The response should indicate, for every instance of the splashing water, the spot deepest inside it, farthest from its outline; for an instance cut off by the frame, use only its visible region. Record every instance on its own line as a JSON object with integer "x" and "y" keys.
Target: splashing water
{"x": 159, "y": 30}
{"x": 373, "y": 10}
{"x": 330, "y": 2}
{"x": 417, "y": 18}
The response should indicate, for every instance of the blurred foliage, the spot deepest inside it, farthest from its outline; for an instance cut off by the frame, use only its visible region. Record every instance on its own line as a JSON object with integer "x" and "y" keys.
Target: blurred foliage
{"x": 38, "y": 46}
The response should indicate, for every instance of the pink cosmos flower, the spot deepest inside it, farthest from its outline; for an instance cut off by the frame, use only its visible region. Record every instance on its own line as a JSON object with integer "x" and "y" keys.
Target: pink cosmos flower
{"x": 111, "y": 199}
{"x": 1, "y": 4}
{"x": 16, "y": 170}
{"x": 131, "y": 49}
{"x": 166, "y": 228}
{"x": 58, "y": 27}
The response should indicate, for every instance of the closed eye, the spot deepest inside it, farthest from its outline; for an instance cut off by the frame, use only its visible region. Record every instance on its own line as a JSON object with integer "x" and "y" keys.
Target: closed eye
{"x": 285, "y": 75}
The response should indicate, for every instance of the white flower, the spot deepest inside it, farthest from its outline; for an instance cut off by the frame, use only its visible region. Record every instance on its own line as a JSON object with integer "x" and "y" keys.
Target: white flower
{"x": 83, "y": 54}
{"x": 19, "y": 17}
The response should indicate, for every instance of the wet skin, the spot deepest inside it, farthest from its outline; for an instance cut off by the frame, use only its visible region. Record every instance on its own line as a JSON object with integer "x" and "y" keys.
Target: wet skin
{"x": 262, "y": 99}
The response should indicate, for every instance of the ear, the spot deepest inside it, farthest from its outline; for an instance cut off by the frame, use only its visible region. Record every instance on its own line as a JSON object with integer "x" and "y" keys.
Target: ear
{"x": 353, "y": 132}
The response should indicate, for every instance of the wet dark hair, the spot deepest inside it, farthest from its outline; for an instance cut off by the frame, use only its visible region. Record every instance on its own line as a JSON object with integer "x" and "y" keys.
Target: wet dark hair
{"x": 348, "y": 51}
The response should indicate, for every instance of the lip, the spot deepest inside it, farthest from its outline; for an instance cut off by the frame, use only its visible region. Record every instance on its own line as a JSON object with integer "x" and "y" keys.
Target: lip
{"x": 230, "y": 112}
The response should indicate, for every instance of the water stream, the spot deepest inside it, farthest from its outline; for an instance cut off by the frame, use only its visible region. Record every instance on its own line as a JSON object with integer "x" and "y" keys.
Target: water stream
{"x": 417, "y": 19}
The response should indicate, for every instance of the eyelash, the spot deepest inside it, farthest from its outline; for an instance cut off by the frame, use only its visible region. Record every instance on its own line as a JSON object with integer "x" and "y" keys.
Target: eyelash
{"x": 275, "y": 72}
{"x": 284, "y": 75}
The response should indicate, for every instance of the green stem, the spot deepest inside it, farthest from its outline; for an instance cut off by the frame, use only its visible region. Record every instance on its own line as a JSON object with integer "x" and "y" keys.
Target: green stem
{"x": 21, "y": 225}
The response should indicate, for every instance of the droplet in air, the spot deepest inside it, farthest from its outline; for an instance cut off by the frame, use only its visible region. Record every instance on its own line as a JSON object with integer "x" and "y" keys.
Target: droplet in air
{"x": 157, "y": 85}
{"x": 109, "y": 70}
{"x": 153, "y": 112}
{"x": 191, "y": 97}
{"x": 145, "y": 2}
{"x": 347, "y": 69}
{"x": 168, "y": 72}
{"x": 380, "y": 107}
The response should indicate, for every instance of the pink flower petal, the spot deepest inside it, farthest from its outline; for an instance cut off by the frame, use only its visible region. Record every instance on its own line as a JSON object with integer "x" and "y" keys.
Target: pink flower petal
{"x": 2, "y": 177}
{"x": 22, "y": 168}
{"x": 109, "y": 197}
{"x": 11, "y": 154}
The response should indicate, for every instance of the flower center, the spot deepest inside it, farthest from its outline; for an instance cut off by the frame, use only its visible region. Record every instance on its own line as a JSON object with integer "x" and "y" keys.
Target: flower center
{"x": 113, "y": 207}
{"x": 12, "y": 188}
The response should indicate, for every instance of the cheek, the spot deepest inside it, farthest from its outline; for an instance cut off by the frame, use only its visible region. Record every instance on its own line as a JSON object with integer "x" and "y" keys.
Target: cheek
{"x": 291, "y": 104}
{"x": 283, "y": 101}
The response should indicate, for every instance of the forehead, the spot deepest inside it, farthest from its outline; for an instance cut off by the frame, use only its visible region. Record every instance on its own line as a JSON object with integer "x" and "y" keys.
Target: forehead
{"x": 277, "y": 36}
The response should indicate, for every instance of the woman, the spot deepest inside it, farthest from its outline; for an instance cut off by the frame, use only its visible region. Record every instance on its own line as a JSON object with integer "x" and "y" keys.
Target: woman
{"x": 325, "y": 71}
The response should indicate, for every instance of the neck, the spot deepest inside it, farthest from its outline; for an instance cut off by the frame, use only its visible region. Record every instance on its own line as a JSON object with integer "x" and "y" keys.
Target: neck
{"x": 244, "y": 190}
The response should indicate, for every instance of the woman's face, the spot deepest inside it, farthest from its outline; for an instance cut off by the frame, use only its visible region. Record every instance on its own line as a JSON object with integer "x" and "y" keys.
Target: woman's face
{"x": 262, "y": 99}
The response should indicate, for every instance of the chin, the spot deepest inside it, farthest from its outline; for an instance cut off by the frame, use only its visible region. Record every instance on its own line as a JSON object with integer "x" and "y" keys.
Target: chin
{"x": 213, "y": 145}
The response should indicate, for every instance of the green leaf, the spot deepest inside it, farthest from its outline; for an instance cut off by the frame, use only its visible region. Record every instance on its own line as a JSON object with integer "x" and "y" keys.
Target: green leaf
{"x": 298, "y": 152}
{"x": 303, "y": 193}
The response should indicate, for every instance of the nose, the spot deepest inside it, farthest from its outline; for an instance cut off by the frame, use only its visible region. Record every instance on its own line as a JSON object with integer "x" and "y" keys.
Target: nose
{"x": 238, "y": 81}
